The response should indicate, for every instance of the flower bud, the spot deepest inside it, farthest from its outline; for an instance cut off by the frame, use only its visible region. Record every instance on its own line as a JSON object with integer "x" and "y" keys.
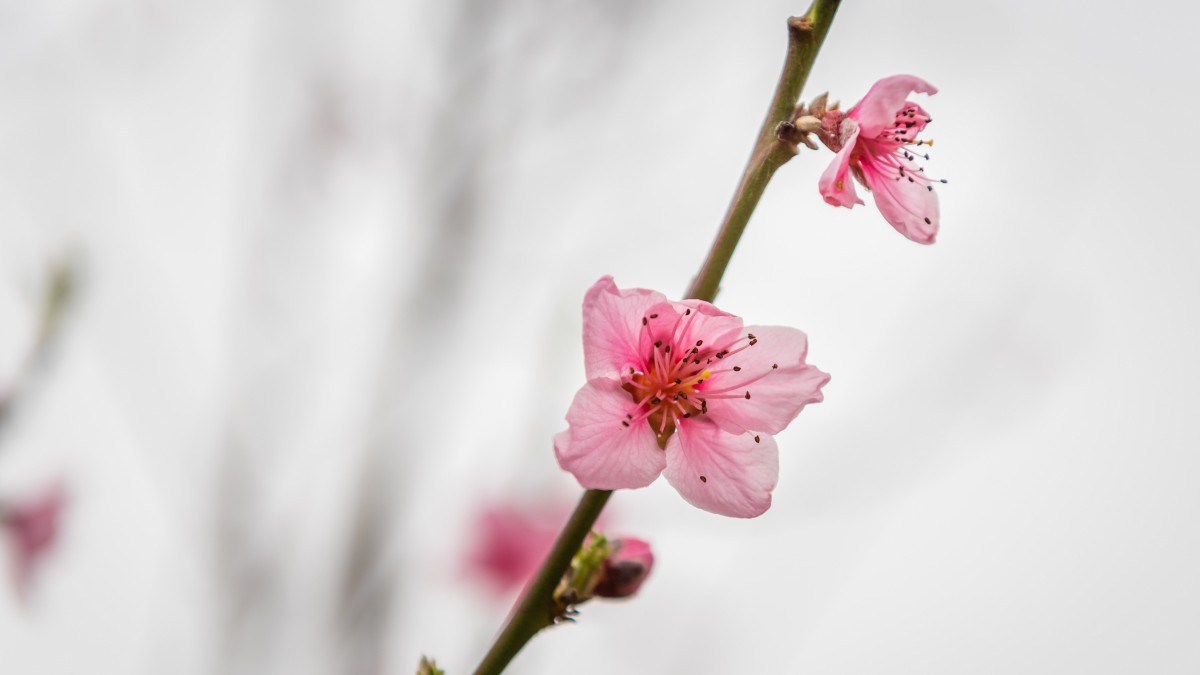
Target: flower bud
{"x": 625, "y": 568}
{"x": 428, "y": 666}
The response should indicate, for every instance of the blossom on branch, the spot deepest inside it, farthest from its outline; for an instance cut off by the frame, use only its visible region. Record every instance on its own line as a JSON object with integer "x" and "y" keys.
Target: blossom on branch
{"x": 685, "y": 390}
{"x": 32, "y": 530}
{"x": 876, "y": 141}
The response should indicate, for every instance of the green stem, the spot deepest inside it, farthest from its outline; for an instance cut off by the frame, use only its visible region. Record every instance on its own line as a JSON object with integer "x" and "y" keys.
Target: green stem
{"x": 536, "y": 608}
{"x": 806, "y": 34}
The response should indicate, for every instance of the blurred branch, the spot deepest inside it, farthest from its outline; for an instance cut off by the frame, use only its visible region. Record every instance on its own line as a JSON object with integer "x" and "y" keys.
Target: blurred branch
{"x": 60, "y": 288}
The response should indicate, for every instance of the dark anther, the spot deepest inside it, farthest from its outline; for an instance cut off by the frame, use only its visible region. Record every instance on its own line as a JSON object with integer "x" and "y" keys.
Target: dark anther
{"x": 747, "y": 396}
{"x": 699, "y": 342}
{"x": 688, "y": 313}
{"x": 737, "y": 369}
{"x": 667, "y": 349}
{"x": 754, "y": 342}
{"x": 678, "y": 381}
{"x": 655, "y": 401}
{"x": 653, "y": 316}
{"x": 930, "y": 187}
{"x": 703, "y": 479}
{"x": 625, "y": 422}
{"x": 687, "y": 415}
{"x": 751, "y": 336}
{"x": 645, "y": 321}
{"x": 774, "y": 366}
{"x": 928, "y": 221}
{"x": 757, "y": 439}
{"x": 910, "y": 179}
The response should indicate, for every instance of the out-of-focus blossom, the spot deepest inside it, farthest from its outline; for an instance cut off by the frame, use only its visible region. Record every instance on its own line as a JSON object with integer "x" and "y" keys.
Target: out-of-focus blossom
{"x": 875, "y": 142}
{"x": 508, "y": 543}
{"x": 31, "y": 529}
{"x": 685, "y": 390}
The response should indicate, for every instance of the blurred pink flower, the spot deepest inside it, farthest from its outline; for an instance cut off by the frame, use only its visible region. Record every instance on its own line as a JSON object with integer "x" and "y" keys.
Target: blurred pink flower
{"x": 684, "y": 390}
{"x": 32, "y": 530}
{"x": 872, "y": 142}
{"x": 509, "y": 543}
{"x": 625, "y": 569}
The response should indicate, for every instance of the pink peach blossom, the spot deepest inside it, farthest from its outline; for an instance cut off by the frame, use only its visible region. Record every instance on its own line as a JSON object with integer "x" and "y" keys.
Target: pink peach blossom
{"x": 874, "y": 142}
{"x": 684, "y": 390}
{"x": 508, "y": 543}
{"x": 32, "y": 529}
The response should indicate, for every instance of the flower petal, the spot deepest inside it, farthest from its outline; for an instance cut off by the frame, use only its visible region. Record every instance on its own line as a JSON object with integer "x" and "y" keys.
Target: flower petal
{"x": 728, "y": 474}
{"x": 706, "y": 322}
{"x": 835, "y": 184}
{"x": 612, "y": 322}
{"x": 682, "y": 324}
{"x": 775, "y": 375}
{"x": 602, "y": 448}
{"x": 877, "y": 110}
{"x": 908, "y": 203}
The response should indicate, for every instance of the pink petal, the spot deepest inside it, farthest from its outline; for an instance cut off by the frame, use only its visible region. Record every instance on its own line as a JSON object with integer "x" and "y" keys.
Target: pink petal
{"x": 612, "y": 322}
{"x": 601, "y": 450}
{"x": 33, "y": 529}
{"x": 877, "y": 110}
{"x": 777, "y": 394}
{"x": 508, "y": 543}
{"x": 662, "y": 321}
{"x": 836, "y": 186}
{"x": 728, "y": 474}
{"x": 909, "y": 205}
{"x": 707, "y": 323}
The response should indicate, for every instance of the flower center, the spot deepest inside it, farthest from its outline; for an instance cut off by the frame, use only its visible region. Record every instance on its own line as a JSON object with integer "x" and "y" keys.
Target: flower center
{"x": 892, "y": 148}
{"x": 676, "y": 378}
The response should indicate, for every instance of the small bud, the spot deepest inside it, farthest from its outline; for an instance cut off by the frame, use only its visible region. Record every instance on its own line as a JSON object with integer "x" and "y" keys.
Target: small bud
{"x": 428, "y": 666}
{"x": 625, "y": 568}
{"x": 819, "y": 105}
{"x": 808, "y": 123}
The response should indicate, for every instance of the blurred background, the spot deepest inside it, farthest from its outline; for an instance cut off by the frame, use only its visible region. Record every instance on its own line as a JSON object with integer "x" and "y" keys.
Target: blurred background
{"x": 327, "y": 264}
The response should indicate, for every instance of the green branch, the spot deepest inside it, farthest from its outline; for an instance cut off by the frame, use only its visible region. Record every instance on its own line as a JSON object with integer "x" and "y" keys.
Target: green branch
{"x": 806, "y": 34}
{"x": 536, "y": 609}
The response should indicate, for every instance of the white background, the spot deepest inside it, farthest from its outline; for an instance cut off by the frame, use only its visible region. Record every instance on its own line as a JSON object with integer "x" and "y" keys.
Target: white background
{"x": 332, "y": 255}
